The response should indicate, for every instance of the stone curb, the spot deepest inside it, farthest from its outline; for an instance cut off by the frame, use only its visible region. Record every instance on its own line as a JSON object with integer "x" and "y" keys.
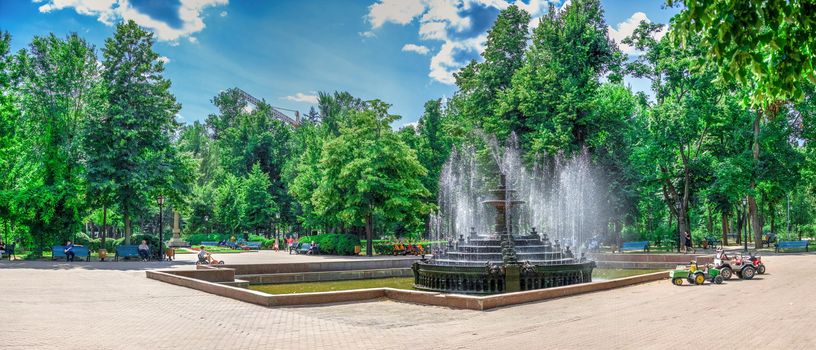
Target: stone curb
{"x": 455, "y": 301}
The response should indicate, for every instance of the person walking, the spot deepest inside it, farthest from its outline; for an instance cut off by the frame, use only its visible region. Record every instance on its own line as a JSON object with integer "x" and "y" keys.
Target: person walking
{"x": 689, "y": 246}
{"x": 275, "y": 246}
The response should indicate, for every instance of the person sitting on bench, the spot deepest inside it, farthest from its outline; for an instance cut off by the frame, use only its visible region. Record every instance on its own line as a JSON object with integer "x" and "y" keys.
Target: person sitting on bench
{"x": 144, "y": 250}
{"x": 311, "y": 249}
{"x": 69, "y": 251}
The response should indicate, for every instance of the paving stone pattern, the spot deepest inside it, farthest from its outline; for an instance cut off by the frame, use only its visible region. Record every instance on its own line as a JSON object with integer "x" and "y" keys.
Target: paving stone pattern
{"x": 48, "y": 305}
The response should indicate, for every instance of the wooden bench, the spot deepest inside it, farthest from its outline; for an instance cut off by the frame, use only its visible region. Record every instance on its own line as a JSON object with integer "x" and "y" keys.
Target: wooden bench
{"x": 209, "y": 244}
{"x": 126, "y": 251}
{"x": 58, "y": 251}
{"x": 792, "y": 245}
{"x": 253, "y": 245}
{"x": 640, "y": 245}
{"x": 712, "y": 242}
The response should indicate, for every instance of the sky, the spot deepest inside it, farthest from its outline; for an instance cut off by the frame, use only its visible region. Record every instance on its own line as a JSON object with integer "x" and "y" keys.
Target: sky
{"x": 403, "y": 52}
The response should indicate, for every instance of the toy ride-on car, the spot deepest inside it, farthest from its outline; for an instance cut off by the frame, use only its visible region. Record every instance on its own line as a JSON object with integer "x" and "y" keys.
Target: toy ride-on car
{"x": 695, "y": 275}
{"x": 744, "y": 267}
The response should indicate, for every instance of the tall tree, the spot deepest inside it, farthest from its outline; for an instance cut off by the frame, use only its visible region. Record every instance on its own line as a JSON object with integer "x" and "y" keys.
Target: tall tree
{"x": 367, "y": 172}
{"x": 259, "y": 206}
{"x": 552, "y": 91}
{"x": 141, "y": 118}
{"x": 57, "y": 82}
{"x": 767, "y": 46}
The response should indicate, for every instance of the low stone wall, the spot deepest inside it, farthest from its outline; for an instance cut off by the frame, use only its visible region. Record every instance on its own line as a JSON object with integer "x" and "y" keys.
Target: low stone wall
{"x": 346, "y": 265}
{"x": 298, "y": 277}
{"x": 647, "y": 261}
{"x": 456, "y": 301}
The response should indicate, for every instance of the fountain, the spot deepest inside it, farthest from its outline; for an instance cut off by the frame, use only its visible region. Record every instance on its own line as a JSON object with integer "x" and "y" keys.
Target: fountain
{"x": 500, "y": 261}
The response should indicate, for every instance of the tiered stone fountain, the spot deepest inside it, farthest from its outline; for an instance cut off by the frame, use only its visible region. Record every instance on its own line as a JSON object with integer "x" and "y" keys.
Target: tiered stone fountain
{"x": 502, "y": 261}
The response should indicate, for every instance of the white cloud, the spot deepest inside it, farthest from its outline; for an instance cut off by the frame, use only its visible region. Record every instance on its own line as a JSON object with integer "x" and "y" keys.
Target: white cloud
{"x": 164, "y": 59}
{"x": 301, "y": 97}
{"x": 627, "y": 27}
{"x": 420, "y": 49}
{"x": 394, "y": 11}
{"x": 192, "y": 40}
{"x": 111, "y": 11}
{"x": 368, "y": 34}
{"x": 441, "y": 20}
{"x": 223, "y": 14}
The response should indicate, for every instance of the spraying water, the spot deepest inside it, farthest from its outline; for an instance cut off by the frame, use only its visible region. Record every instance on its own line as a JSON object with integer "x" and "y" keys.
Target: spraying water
{"x": 563, "y": 197}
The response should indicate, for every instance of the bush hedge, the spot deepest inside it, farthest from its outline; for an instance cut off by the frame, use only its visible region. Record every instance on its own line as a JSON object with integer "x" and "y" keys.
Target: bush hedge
{"x": 197, "y": 238}
{"x": 334, "y": 243}
{"x": 94, "y": 244}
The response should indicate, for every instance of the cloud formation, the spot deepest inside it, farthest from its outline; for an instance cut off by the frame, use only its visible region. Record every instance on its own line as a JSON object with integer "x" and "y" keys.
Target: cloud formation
{"x": 301, "y": 97}
{"x": 627, "y": 27}
{"x": 420, "y": 49}
{"x": 164, "y": 59}
{"x": 457, "y": 24}
{"x": 181, "y": 21}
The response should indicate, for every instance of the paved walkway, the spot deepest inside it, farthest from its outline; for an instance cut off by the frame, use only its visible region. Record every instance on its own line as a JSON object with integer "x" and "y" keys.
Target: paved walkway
{"x": 47, "y": 305}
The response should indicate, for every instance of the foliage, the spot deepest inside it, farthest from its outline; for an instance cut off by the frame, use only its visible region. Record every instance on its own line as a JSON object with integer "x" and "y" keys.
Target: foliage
{"x": 333, "y": 243}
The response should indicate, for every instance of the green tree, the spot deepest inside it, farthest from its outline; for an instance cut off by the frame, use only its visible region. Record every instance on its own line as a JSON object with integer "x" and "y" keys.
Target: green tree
{"x": 767, "y": 46}
{"x": 57, "y": 81}
{"x": 259, "y": 206}
{"x": 367, "y": 172}
{"x": 229, "y": 204}
{"x": 141, "y": 118}
{"x": 552, "y": 91}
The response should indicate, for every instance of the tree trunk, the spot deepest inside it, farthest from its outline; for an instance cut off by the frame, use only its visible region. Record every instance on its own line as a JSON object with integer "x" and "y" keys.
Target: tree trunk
{"x": 772, "y": 213}
{"x": 127, "y": 228}
{"x": 682, "y": 228}
{"x": 104, "y": 223}
{"x": 724, "y": 228}
{"x": 752, "y": 206}
{"x": 369, "y": 235}
{"x": 740, "y": 224}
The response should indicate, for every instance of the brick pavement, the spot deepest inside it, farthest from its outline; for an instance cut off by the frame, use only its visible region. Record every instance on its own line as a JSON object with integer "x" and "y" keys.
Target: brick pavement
{"x": 43, "y": 305}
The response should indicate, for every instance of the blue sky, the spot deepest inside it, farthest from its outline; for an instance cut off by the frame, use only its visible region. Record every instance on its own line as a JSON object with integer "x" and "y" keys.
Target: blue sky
{"x": 400, "y": 51}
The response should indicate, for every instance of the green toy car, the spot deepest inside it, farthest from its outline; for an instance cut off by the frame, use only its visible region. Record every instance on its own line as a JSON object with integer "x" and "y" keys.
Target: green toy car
{"x": 695, "y": 275}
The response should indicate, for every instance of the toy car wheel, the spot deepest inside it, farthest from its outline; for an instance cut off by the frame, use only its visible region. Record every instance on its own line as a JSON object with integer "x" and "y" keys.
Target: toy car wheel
{"x": 221, "y": 262}
{"x": 748, "y": 273}
{"x": 726, "y": 273}
{"x": 677, "y": 281}
{"x": 761, "y": 269}
{"x": 699, "y": 279}
{"x": 718, "y": 280}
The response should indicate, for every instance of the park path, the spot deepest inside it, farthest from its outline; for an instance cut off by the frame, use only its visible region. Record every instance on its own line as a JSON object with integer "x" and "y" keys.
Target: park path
{"x": 48, "y": 306}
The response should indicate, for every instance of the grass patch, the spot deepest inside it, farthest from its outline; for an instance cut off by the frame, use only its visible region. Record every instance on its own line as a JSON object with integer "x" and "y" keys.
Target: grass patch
{"x": 402, "y": 282}
{"x": 333, "y": 286}
{"x": 610, "y": 274}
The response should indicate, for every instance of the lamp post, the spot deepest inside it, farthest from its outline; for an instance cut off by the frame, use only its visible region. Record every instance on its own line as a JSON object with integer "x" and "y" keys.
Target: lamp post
{"x": 207, "y": 223}
{"x": 160, "y": 202}
{"x": 277, "y": 222}
{"x": 745, "y": 241}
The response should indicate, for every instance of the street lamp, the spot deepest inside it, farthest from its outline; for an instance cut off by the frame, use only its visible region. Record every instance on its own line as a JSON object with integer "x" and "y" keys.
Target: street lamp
{"x": 745, "y": 241}
{"x": 277, "y": 222}
{"x": 207, "y": 223}
{"x": 160, "y": 202}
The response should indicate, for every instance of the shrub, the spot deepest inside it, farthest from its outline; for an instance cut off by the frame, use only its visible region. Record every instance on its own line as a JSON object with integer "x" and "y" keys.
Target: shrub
{"x": 152, "y": 241}
{"x": 334, "y": 243}
{"x": 197, "y": 238}
{"x": 94, "y": 244}
{"x": 383, "y": 248}
{"x": 265, "y": 243}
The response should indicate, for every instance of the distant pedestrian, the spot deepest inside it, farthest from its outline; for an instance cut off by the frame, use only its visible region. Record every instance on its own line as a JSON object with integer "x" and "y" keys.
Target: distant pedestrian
{"x": 688, "y": 243}
{"x": 69, "y": 251}
{"x": 275, "y": 246}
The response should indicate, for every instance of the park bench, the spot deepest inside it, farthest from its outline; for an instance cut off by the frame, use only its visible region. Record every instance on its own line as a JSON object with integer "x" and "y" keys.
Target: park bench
{"x": 126, "y": 251}
{"x": 792, "y": 245}
{"x": 768, "y": 238}
{"x": 294, "y": 247}
{"x": 209, "y": 244}
{"x": 253, "y": 245}
{"x": 305, "y": 247}
{"x": 58, "y": 251}
{"x": 712, "y": 242}
{"x": 640, "y": 245}
{"x": 8, "y": 250}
